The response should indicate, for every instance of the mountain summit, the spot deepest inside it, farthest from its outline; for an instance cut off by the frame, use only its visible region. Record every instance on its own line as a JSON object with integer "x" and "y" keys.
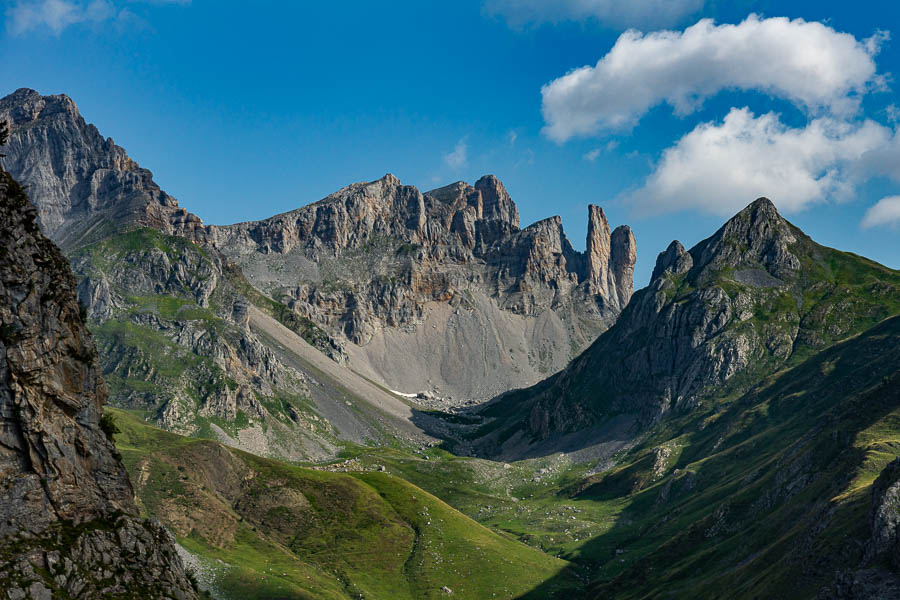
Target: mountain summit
{"x": 85, "y": 187}
{"x": 754, "y": 297}
{"x": 439, "y": 291}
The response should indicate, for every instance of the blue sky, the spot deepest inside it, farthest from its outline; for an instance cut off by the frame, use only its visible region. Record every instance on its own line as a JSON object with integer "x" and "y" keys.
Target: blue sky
{"x": 243, "y": 110}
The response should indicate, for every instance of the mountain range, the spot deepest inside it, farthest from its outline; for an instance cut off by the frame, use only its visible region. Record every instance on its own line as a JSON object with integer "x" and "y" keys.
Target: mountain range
{"x": 478, "y": 409}
{"x": 380, "y": 267}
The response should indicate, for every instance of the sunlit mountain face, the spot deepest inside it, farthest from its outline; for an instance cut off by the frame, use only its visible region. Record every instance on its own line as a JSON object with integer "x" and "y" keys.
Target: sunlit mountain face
{"x": 492, "y": 300}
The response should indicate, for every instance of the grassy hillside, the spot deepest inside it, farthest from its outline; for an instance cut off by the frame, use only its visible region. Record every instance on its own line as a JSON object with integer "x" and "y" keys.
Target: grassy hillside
{"x": 765, "y": 494}
{"x": 268, "y": 529}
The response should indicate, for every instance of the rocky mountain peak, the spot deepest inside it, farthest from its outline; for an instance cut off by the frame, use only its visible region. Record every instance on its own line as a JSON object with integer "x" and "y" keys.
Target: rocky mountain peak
{"x": 390, "y": 179}
{"x": 736, "y": 303}
{"x": 674, "y": 260}
{"x": 623, "y": 255}
{"x": 497, "y": 203}
{"x": 26, "y": 105}
{"x": 375, "y": 259}
{"x": 84, "y": 185}
{"x": 609, "y": 258}
{"x": 757, "y": 236}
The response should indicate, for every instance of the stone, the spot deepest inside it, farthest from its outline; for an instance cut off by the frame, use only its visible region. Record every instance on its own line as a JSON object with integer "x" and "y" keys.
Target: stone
{"x": 885, "y": 513}
{"x": 679, "y": 337}
{"x": 58, "y": 468}
{"x": 366, "y": 264}
{"x": 83, "y": 184}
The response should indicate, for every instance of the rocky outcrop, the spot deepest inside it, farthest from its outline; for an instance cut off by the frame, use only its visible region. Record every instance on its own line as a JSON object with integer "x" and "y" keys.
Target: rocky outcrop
{"x": 745, "y": 301}
{"x": 367, "y": 264}
{"x": 175, "y": 340}
{"x": 67, "y": 515}
{"x": 885, "y": 514}
{"x": 610, "y": 259}
{"x": 84, "y": 186}
{"x": 872, "y": 581}
{"x": 382, "y": 255}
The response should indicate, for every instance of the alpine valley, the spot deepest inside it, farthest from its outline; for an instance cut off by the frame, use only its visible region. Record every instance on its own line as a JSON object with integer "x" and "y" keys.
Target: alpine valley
{"x": 397, "y": 394}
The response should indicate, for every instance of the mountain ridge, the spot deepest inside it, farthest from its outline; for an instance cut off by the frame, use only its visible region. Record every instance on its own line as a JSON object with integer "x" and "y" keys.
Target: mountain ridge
{"x": 758, "y": 293}
{"x": 375, "y": 266}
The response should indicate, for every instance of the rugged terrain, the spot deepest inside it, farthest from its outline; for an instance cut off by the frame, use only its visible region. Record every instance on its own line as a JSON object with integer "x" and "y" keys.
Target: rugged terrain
{"x": 183, "y": 336}
{"x": 383, "y": 270}
{"x": 68, "y": 521}
{"x": 440, "y": 292}
{"x": 187, "y": 341}
{"x": 85, "y": 187}
{"x": 734, "y": 433}
{"x": 756, "y": 297}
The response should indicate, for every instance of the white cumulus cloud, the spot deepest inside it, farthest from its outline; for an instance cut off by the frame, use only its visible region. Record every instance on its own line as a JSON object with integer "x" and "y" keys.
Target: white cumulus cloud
{"x": 810, "y": 64}
{"x": 458, "y": 157}
{"x": 613, "y": 13}
{"x": 719, "y": 167}
{"x": 885, "y": 213}
{"x": 56, "y": 15}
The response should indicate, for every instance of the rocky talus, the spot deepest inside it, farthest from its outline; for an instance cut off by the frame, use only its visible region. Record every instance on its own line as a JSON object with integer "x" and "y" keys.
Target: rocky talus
{"x": 754, "y": 297}
{"x": 387, "y": 267}
{"x": 68, "y": 524}
{"x": 83, "y": 185}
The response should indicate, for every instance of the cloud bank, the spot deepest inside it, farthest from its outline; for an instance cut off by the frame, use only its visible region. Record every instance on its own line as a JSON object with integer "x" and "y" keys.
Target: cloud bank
{"x": 807, "y": 63}
{"x": 719, "y": 167}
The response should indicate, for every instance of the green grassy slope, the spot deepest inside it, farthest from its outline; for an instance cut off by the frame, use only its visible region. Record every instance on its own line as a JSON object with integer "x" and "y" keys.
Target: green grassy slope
{"x": 765, "y": 494}
{"x": 283, "y": 531}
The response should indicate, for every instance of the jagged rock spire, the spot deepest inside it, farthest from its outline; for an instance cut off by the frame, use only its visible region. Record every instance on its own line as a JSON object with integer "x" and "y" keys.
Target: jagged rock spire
{"x": 609, "y": 259}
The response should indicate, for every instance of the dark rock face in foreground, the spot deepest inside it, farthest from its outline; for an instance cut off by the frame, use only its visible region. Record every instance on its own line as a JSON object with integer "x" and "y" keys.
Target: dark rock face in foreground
{"x": 67, "y": 513}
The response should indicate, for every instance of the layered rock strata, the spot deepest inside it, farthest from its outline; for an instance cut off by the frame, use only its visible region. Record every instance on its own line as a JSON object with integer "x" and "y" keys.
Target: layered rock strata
{"x": 84, "y": 186}
{"x": 387, "y": 267}
{"x": 68, "y": 522}
{"x": 379, "y": 266}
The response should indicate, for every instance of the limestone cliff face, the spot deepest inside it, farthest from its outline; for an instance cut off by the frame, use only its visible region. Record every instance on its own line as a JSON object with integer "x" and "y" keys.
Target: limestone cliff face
{"x": 84, "y": 186}
{"x": 380, "y": 255}
{"x": 60, "y": 476}
{"x": 369, "y": 264}
{"x": 610, "y": 259}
